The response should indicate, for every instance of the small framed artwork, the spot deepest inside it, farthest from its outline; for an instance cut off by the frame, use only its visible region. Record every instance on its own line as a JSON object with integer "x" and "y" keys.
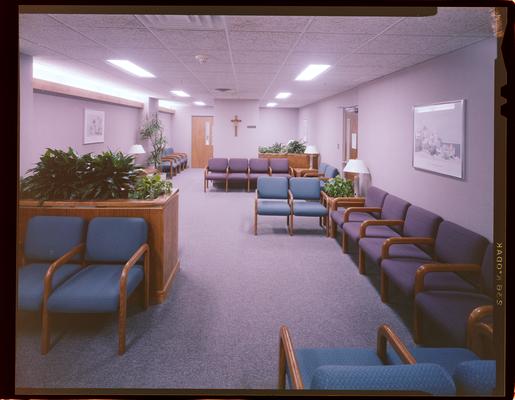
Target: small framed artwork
{"x": 93, "y": 126}
{"x": 439, "y": 138}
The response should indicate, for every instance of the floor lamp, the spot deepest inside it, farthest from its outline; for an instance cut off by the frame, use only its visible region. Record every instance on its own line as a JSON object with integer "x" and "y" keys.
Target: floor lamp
{"x": 356, "y": 167}
{"x": 311, "y": 150}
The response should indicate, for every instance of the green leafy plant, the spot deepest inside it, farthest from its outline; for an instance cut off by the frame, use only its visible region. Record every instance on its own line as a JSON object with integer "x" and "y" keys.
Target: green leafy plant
{"x": 275, "y": 148}
{"x": 339, "y": 187}
{"x": 58, "y": 175}
{"x": 295, "y": 146}
{"x": 152, "y": 130}
{"x": 150, "y": 187}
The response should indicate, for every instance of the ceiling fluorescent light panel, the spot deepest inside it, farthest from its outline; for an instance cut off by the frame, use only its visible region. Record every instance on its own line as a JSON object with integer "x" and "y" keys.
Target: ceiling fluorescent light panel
{"x": 283, "y": 95}
{"x": 311, "y": 72}
{"x": 199, "y": 103}
{"x": 131, "y": 68}
{"x": 271, "y": 104}
{"x": 180, "y": 93}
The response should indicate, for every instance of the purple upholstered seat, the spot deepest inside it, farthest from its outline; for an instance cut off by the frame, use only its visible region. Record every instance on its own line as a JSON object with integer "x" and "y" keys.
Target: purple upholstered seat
{"x": 279, "y": 166}
{"x": 238, "y": 169}
{"x": 216, "y": 169}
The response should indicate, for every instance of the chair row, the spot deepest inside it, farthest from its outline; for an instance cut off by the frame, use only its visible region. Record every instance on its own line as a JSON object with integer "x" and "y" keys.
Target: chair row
{"x": 280, "y": 196}
{"x": 244, "y": 170}
{"x": 71, "y": 266}
{"x": 391, "y": 368}
{"x": 324, "y": 173}
{"x": 443, "y": 268}
{"x": 172, "y": 162}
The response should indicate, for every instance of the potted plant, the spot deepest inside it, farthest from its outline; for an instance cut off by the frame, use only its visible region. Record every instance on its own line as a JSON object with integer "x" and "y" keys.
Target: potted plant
{"x": 339, "y": 187}
{"x": 150, "y": 187}
{"x": 152, "y": 130}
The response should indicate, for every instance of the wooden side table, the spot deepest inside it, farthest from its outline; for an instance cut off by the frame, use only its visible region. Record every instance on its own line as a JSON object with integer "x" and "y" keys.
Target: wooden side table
{"x": 297, "y": 172}
{"x": 332, "y": 203}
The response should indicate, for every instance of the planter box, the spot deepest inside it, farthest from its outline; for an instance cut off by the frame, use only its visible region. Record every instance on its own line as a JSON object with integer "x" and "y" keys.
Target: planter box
{"x": 294, "y": 160}
{"x": 161, "y": 214}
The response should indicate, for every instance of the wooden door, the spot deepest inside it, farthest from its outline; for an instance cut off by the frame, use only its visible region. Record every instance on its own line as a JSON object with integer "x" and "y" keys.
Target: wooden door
{"x": 351, "y": 136}
{"x": 201, "y": 141}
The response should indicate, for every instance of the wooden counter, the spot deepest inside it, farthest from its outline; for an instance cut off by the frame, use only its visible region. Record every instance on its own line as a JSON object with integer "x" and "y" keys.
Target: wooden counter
{"x": 161, "y": 215}
{"x": 294, "y": 160}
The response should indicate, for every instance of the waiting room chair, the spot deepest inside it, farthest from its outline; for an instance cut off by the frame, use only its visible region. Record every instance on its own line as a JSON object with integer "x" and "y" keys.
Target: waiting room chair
{"x": 279, "y": 167}
{"x": 216, "y": 170}
{"x": 237, "y": 171}
{"x": 115, "y": 249}
{"x": 437, "y": 371}
{"x": 271, "y": 198}
{"x": 305, "y": 200}
{"x": 170, "y": 162}
{"x": 48, "y": 243}
{"x": 257, "y": 167}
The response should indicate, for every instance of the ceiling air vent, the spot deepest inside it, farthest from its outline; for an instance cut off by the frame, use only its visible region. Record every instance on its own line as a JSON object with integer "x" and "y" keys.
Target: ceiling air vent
{"x": 223, "y": 90}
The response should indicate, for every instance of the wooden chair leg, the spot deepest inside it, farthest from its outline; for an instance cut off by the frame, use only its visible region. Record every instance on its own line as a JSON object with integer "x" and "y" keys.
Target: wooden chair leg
{"x": 248, "y": 185}
{"x": 326, "y": 226}
{"x": 384, "y": 287}
{"x": 345, "y": 242}
{"x": 361, "y": 262}
{"x": 255, "y": 222}
{"x": 122, "y": 319}
{"x": 291, "y": 224}
{"x": 146, "y": 268}
{"x": 205, "y": 185}
{"x": 226, "y": 184}
{"x": 45, "y": 331}
{"x": 282, "y": 367}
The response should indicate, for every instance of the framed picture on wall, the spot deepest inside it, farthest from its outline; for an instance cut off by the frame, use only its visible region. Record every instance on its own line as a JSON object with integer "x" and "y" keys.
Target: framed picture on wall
{"x": 439, "y": 138}
{"x": 93, "y": 126}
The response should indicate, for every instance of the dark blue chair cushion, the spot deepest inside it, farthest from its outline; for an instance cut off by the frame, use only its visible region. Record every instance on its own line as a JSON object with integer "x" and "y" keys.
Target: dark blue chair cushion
{"x": 114, "y": 239}
{"x": 270, "y": 207}
{"x": 455, "y": 244}
{"x": 375, "y": 198}
{"x": 49, "y": 237}
{"x": 272, "y": 187}
{"x": 372, "y": 246}
{"x": 401, "y": 272}
{"x": 426, "y": 378}
{"x": 448, "y": 311}
{"x": 305, "y": 188}
{"x": 31, "y": 283}
{"x": 94, "y": 289}
{"x": 331, "y": 172}
{"x": 321, "y": 168}
{"x": 309, "y": 209}
{"x": 421, "y": 223}
{"x": 352, "y": 229}
{"x": 475, "y": 378}
{"x": 447, "y": 357}
{"x": 394, "y": 208}
{"x": 337, "y": 216}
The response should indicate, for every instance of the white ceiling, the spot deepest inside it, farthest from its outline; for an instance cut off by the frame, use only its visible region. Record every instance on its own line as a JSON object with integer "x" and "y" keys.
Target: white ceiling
{"x": 255, "y": 56}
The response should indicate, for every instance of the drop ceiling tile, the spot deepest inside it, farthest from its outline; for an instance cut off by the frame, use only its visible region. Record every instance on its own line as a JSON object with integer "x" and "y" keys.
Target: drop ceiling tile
{"x": 345, "y": 70}
{"x": 55, "y": 37}
{"x": 215, "y": 76}
{"x": 331, "y": 43}
{"x": 33, "y": 49}
{"x": 358, "y": 60}
{"x": 266, "y": 23}
{"x": 403, "y": 44}
{"x": 260, "y": 68}
{"x": 208, "y": 67}
{"x": 352, "y": 25}
{"x": 88, "y": 53}
{"x": 258, "y": 57}
{"x": 485, "y": 30}
{"x": 36, "y": 21}
{"x": 123, "y": 37}
{"x": 189, "y": 22}
{"x": 190, "y": 39}
{"x": 297, "y": 58}
{"x": 410, "y": 60}
{"x": 138, "y": 55}
{"x": 99, "y": 20}
{"x": 455, "y": 44}
{"x": 448, "y": 21}
{"x": 214, "y": 56}
{"x": 270, "y": 41}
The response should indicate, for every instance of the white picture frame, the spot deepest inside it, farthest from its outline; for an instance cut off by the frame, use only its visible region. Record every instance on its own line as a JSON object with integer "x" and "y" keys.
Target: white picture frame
{"x": 439, "y": 138}
{"x": 93, "y": 126}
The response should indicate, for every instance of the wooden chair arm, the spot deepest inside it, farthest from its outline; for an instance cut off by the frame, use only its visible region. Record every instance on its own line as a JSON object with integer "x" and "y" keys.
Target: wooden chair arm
{"x": 291, "y": 171}
{"x": 323, "y": 178}
{"x": 129, "y": 264}
{"x": 376, "y": 222}
{"x": 474, "y": 326}
{"x": 47, "y": 282}
{"x": 385, "y": 335}
{"x": 287, "y": 359}
{"x": 342, "y": 201}
{"x": 423, "y": 270}
{"x": 403, "y": 240}
{"x": 350, "y": 210}
{"x": 310, "y": 174}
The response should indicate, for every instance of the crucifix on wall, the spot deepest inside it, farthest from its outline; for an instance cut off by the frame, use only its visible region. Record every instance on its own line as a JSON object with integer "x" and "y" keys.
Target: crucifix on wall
{"x": 235, "y": 122}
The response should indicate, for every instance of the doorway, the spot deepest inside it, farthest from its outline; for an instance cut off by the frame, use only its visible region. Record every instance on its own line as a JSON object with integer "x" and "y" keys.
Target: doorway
{"x": 201, "y": 140}
{"x": 350, "y": 137}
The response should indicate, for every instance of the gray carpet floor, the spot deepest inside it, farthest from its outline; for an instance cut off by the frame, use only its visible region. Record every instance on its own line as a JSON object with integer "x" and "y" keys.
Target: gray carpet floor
{"x": 219, "y": 327}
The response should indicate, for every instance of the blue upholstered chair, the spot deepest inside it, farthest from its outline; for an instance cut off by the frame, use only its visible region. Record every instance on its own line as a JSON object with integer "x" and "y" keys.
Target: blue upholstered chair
{"x": 329, "y": 173}
{"x": 321, "y": 168}
{"x": 170, "y": 164}
{"x": 216, "y": 170}
{"x": 305, "y": 200}
{"x": 437, "y": 371}
{"x": 117, "y": 262}
{"x": 271, "y": 198}
{"x": 49, "y": 246}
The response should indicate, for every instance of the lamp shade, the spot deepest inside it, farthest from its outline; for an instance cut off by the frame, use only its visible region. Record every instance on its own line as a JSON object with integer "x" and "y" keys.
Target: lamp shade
{"x": 356, "y": 166}
{"x": 311, "y": 150}
{"x": 136, "y": 149}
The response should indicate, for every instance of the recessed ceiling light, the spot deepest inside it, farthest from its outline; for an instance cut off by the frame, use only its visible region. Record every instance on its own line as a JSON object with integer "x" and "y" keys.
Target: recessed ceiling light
{"x": 199, "y": 103}
{"x": 180, "y": 93}
{"x": 283, "y": 95}
{"x": 271, "y": 104}
{"x": 311, "y": 72}
{"x": 131, "y": 68}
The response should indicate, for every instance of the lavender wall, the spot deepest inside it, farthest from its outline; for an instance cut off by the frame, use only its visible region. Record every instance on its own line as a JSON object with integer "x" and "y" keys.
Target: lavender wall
{"x": 386, "y": 129}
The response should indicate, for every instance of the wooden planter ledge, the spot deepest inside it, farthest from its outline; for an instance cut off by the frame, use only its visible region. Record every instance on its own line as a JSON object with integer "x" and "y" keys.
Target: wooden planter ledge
{"x": 161, "y": 214}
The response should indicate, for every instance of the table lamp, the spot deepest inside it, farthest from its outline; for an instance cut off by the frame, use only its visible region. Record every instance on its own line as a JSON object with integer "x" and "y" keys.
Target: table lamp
{"x": 136, "y": 149}
{"x": 356, "y": 167}
{"x": 311, "y": 150}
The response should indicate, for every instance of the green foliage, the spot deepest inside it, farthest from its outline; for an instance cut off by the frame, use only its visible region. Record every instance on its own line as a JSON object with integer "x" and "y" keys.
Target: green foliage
{"x": 275, "y": 148}
{"x": 152, "y": 130}
{"x": 295, "y": 146}
{"x": 61, "y": 175}
{"x": 339, "y": 187}
{"x": 150, "y": 187}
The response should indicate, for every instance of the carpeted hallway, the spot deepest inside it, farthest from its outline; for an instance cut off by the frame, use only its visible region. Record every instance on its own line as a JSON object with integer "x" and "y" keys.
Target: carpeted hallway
{"x": 219, "y": 327}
